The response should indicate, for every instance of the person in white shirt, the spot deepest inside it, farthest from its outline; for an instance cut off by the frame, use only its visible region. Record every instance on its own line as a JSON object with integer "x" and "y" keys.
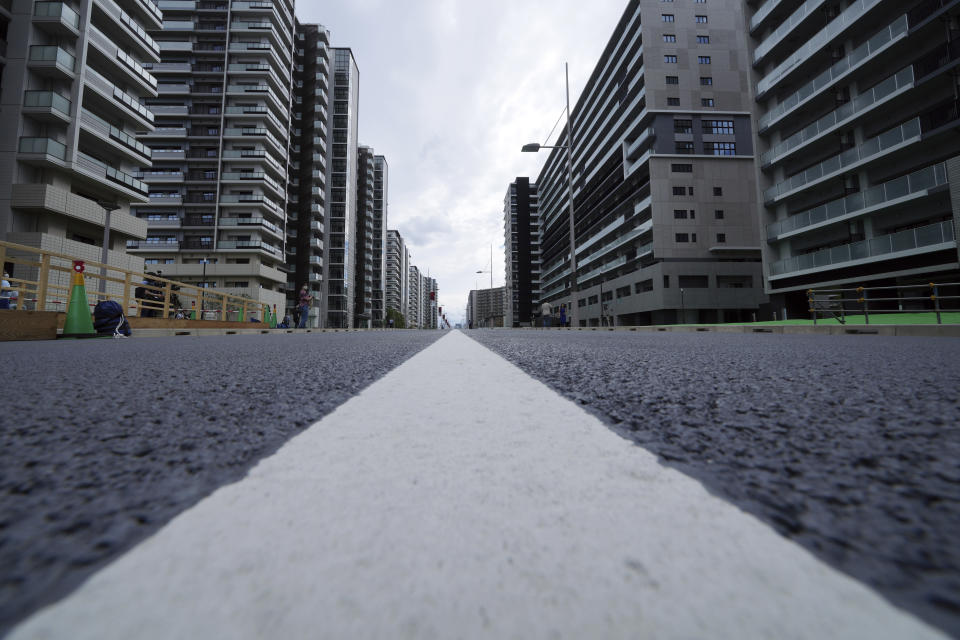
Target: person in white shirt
{"x": 6, "y": 291}
{"x": 545, "y": 312}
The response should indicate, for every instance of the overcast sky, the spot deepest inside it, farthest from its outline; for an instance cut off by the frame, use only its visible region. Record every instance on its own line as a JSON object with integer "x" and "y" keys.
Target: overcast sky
{"x": 449, "y": 91}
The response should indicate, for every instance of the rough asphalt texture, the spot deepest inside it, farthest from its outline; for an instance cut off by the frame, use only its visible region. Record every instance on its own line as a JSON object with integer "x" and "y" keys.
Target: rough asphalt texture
{"x": 848, "y": 445}
{"x": 104, "y": 441}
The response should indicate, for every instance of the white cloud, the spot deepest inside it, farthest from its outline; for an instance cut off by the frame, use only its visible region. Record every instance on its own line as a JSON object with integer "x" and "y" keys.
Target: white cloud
{"x": 449, "y": 91}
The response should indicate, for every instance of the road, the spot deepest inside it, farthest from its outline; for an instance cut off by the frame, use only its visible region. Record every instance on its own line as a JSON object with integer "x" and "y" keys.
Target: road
{"x": 456, "y": 493}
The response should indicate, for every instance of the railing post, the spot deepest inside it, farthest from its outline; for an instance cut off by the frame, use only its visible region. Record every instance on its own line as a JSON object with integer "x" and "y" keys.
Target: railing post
{"x": 813, "y": 309}
{"x": 864, "y": 304}
{"x": 936, "y": 301}
{"x": 167, "y": 292}
{"x": 42, "y": 282}
{"x": 223, "y": 309}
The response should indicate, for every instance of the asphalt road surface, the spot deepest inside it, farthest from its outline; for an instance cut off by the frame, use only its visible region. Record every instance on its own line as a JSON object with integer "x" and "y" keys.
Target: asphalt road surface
{"x": 848, "y": 445}
{"x": 103, "y": 441}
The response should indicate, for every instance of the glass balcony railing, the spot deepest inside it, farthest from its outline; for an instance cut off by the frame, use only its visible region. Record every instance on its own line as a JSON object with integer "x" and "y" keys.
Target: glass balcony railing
{"x": 53, "y": 53}
{"x": 907, "y": 132}
{"x": 897, "y": 29}
{"x": 57, "y": 10}
{"x": 897, "y": 83}
{"x": 43, "y": 145}
{"x": 763, "y": 12}
{"x": 135, "y": 66}
{"x": 49, "y": 99}
{"x": 880, "y": 247}
{"x": 915, "y": 183}
{"x": 805, "y": 10}
{"x": 850, "y": 15}
{"x": 104, "y": 128}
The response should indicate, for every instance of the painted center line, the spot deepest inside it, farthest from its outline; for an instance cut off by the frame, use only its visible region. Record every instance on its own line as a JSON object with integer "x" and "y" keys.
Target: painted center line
{"x": 458, "y": 497}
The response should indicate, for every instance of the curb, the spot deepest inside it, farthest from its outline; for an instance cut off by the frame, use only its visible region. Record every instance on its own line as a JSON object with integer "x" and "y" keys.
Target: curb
{"x": 920, "y": 330}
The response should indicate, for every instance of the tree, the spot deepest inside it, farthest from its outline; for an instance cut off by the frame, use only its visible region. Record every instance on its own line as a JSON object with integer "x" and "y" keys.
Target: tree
{"x": 399, "y": 322}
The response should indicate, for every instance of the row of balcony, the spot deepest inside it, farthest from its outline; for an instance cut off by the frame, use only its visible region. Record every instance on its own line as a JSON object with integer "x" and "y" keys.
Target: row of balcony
{"x": 108, "y": 89}
{"x": 99, "y": 126}
{"x": 817, "y": 43}
{"x": 196, "y": 244}
{"x": 894, "y": 85}
{"x": 906, "y": 133}
{"x": 916, "y": 184}
{"x": 932, "y": 237}
{"x": 802, "y": 13}
{"x": 857, "y": 58}
{"x": 141, "y": 37}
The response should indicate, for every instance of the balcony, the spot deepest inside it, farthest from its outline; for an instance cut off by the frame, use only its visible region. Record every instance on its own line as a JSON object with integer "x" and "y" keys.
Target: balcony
{"x": 857, "y": 58}
{"x": 105, "y": 174}
{"x": 169, "y": 110}
{"x": 132, "y": 31}
{"x": 263, "y": 223}
{"x": 174, "y": 199}
{"x": 160, "y": 155}
{"x": 895, "y": 138}
{"x": 804, "y": 12}
{"x": 927, "y": 239}
{"x": 56, "y": 18}
{"x": 52, "y": 61}
{"x": 42, "y": 152}
{"x": 115, "y": 95}
{"x": 158, "y": 177}
{"x": 171, "y": 89}
{"x": 150, "y": 12}
{"x": 123, "y": 63}
{"x": 175, "y": 45}
{"x": 179, "y": 25}
{"x": 153, "y": 245}
{"x": 891, "y": 87}
{"x": 903, "y": 189}
{"x": 178, "y": 133}
{"x": 256, "y": 245}
{"x": 47, "y": 106}
{"x": 177, "y": 5}
{"x": 135, "y": 151}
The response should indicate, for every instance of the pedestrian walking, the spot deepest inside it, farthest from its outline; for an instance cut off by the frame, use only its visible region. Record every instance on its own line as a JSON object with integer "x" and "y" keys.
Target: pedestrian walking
{"x": 391, "y": 322}
{"x": 563, "y": 315}
{"x": 545, "y": 312}
{"x": 304, "y": 306}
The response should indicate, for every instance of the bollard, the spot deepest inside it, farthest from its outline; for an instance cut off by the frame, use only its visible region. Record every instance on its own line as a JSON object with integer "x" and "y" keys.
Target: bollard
{"x": 936, "y": 301}
{"x": 79, "y": 322}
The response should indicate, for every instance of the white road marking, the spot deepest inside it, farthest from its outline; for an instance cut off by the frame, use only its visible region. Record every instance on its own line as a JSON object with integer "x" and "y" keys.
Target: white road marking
{"x": 459, "y": 498}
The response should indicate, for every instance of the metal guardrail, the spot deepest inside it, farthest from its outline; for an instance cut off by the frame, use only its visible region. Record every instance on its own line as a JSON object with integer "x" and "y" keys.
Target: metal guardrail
{"x": 41, "y": 282}
{"x": 838, "y": 303}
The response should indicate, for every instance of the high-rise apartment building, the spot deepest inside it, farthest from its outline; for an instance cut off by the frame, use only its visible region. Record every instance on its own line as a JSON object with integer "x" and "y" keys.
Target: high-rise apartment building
{"x": 857, "y": 115}
{"x": 363, "y": 241}
{"x": 487, "y": 308}
{"x": 428, "y": 314}
{"x": 309, "y": 146}
{"x": 342, "y": 192}
{"x": 380, "y": 190}
{"x": 414, "y": 298}
{"x": 521, "y": 233}
{"x": 73, "y": 87}
{"x": 663, "y": 174}
{"x": 398, "y": 273}
{"x": 218, "y": 186}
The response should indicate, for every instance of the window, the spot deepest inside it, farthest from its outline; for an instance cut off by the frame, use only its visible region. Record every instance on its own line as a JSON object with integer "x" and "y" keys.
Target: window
{"x": 643, "y": 286}
{"x": 718, "y": 214}
{"x": 673, "y": 102}
{"x": 593, "y": 300}
{"x": 706, "y": 102}
{"x": 701, "y": 19}
{"x": 734, "y": 282}
{"x": 689, "y": 191}
{"x": 694, "y": 282}
{"x": 682, "y": 237}
{"x": 723, "y": 148}
{"x": 681, "y": 168}
{"x": 718, "y": 126}
{"x": 706, "y": 81}
{"x": 667, "y": 17}
{"x": 670, "y": 59}
{"x": 684, "y": 148}
{"x": 669, "y": 37}
{"x": 623, "y": 292}
{"x": 721, "y": 237}
{"x": 693, "y": 214}
{"x": 606, "y": 296}
{"x": 703, "y": 59}
{"x": 703, "y": 39}
{"x": 683, "y": 126}
{"x": 582, "y": 302}
{"x": 718, "y": 191}
{"x": 679, "y": 214}
{"x": 666, "y": 282}
{"x": 673, "y": 79}
{"x": 679, "y": 191}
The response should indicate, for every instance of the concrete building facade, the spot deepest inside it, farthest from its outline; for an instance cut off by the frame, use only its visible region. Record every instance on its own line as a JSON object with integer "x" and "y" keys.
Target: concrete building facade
{"x": 857, "y": 112}
{"x": 309, "y": 146}
{"x": 74, "y": 81}
{"x": 342, "y": 192}
{"x": 363, "y": 241}
{"x": 218, "y": 187}
{"x": 663, "y": 176}
{"x": 414, "y": 298}
{"x": 487, "y": 308}
{"x": 381, "y": 175}
{"x": 428, "y": 314}
{"x": 521, "y": 234}
{"x": 398, "y": 273}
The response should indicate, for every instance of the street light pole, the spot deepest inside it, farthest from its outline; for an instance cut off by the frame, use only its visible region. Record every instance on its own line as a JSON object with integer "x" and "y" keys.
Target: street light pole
{"x": 533, "y": 147}
{"x": 108, "y": 208}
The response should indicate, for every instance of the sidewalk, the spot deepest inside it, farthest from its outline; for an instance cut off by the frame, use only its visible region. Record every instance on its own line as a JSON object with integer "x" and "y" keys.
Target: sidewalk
{"x": 458, "y": 497}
